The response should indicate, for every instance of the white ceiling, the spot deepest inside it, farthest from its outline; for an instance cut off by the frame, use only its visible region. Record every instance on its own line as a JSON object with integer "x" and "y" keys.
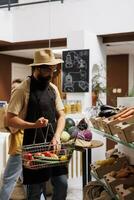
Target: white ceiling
{"x": 111, "y": 49}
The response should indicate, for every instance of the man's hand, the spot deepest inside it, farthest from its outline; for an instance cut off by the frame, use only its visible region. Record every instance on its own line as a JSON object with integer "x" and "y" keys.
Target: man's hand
{"x": 56, "y": 143}
{"x": 16, "y": 122}
{"x": 41, "y": 122}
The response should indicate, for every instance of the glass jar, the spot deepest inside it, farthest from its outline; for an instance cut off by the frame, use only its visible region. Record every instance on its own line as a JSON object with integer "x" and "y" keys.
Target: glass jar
{"x": 68, "y": 107}
{"x": 73, "y": 107}
{"x": 79, "y": 106}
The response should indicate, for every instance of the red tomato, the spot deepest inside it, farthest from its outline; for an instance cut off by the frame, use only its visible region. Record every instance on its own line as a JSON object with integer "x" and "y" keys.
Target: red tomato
{"x": 28, "y": 156}
{"x": 47, "y": 153}
{"x": 38, "y": 154}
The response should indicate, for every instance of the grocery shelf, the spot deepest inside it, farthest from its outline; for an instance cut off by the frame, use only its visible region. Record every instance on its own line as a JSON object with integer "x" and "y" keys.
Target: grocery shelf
{"x": 112, "y": 137}
{"x": 117, "y": 140}
{"x": 105, "y": 186}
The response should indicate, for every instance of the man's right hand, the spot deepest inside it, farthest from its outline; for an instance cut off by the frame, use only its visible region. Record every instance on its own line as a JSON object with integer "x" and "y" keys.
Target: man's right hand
{"x": 41, "y": 122}
{"x": 18, "y": 123}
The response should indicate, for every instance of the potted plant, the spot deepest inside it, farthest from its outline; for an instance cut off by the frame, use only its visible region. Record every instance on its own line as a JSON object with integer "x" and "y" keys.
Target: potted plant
{"x": 98, "y": 83}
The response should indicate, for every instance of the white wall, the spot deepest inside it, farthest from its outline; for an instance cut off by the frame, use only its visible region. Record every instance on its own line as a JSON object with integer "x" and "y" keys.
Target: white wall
{"x": 86, "y": 40}
{"x": 20, "y": 71}
{"x": 56, "y": 19}
{"x": 6, "y": 25}
{"x": 131, "y": 73}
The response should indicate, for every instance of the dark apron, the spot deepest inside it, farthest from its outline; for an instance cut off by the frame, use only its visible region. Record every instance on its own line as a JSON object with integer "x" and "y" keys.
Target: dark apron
{"x": 41, "y": 103}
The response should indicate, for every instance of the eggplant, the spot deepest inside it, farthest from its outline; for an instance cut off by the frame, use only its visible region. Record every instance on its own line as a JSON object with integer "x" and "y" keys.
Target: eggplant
{"x": 107, "y": 113}
{"x": 107, "y": 107}
{"x": 82, "y": 125}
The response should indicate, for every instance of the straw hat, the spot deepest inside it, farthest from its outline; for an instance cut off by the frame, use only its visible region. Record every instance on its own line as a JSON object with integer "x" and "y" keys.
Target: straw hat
{"x": 45, "y": 57}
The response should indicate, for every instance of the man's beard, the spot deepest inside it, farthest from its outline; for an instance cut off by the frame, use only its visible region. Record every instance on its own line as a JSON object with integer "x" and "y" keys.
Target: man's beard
{"x": 43, "y": 81}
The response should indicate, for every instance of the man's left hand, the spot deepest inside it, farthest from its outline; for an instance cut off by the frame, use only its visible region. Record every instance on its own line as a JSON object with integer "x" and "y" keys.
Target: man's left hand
{"x": 56, "y": 143}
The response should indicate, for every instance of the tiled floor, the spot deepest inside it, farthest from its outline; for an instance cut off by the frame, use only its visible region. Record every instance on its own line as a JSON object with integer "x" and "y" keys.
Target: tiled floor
{"x": 74, "y": 189}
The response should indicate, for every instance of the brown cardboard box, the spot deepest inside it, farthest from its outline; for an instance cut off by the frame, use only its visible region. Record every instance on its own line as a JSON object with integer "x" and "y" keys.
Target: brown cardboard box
{"x": 108, "y": 125}
{"x": 105, "y": 124}
{"x": 102, "y": 170}
{"x": 112, "y": 182}
{"x": 110, "y": 122}
{"x": 125, "y": 131}
{"x": 124, "y": 194}
{"x": 112, "y": 126}
{"x": 100, "y": 123}
{"x": 97, "y": 123}
{"x": 94, "y": 122}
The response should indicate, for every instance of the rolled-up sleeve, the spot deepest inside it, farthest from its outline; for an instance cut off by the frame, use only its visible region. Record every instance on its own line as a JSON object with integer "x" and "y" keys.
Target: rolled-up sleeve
{"x": 58, "y": 101}
{"x": 16, "y": 102}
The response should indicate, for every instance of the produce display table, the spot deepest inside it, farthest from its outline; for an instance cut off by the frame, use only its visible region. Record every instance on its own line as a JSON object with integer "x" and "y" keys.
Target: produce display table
{"x": 85, "y": 147}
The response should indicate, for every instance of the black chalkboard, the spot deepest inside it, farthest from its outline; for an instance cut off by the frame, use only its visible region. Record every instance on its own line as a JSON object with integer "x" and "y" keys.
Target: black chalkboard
{"x": 75, "y": 77}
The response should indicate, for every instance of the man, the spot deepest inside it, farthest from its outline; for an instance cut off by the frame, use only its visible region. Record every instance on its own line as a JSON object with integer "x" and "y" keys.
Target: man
{"x": 35, "y": 103}
{"x": 15, "y": 83}
{"x": 13, "y": 168}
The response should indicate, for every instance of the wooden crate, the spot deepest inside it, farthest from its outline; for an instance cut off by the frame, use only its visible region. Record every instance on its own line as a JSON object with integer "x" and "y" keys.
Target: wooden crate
{"x": 99, "y": 122}
{"x": 112, "y": 126}
{"x": 124, "y": 194}
{"x": 94, "y": 122}
{"x": 125, "y": 131}
{"x": 105, "y": 124}
{"x": 108, "y": 125}
{"x": 113, "y": 182}
{"x": 100, "y": 171}
{"x": 112, "y": 121}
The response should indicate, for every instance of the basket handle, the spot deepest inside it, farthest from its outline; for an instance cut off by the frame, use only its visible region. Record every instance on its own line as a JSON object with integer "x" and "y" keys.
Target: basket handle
{"x": 45, "y": 138}
{"x": 48, "y": 127}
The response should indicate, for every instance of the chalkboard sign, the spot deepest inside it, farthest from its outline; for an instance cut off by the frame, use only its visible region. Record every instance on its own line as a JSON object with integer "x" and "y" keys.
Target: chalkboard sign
{"x": 75, "y": 71}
